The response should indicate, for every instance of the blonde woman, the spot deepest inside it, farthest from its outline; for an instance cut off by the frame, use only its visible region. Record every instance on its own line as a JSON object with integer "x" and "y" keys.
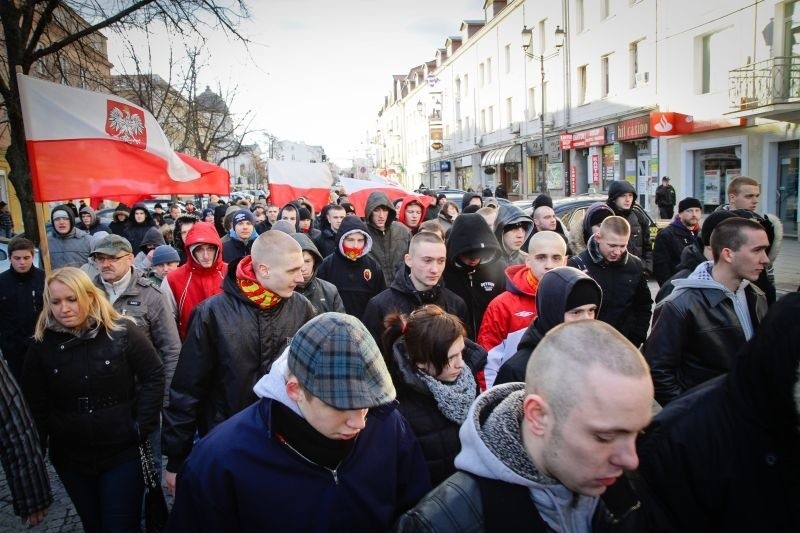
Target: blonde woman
{"x": 94, "y": 384}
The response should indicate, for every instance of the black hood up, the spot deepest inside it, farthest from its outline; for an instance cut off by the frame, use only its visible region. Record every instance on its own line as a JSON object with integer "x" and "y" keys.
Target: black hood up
{"x": 471, "y": 233}
{"x": 553, "y": 292}
{"x": 617, "y": 189}
{"x": 292, "y": 205}
{"x": 469, "y": 196}
{"x": 68, "y": 209}
{"x": 350, "y": 224}
{"x": 148, "y": 218}
{"x": 509, "y": 214}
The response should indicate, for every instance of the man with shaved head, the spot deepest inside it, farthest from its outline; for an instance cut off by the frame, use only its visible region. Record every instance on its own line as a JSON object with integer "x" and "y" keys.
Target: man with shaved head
{"x": 509, "y": 315}
{"x": 551, "y": 452}
{"x": 232, "y": 340}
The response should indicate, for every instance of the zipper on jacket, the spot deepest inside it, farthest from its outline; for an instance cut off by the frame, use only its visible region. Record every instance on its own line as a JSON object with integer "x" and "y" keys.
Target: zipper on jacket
{"x": 334, "y": 471}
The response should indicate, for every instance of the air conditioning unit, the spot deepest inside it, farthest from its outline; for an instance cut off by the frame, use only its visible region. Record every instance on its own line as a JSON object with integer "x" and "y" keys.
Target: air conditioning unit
{"x": 513, "y": 127}
{"x": 642, "y": 78}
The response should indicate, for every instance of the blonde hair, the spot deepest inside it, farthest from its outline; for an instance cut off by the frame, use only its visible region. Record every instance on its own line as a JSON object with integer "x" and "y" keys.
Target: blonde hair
{"x": 89, "y": 297}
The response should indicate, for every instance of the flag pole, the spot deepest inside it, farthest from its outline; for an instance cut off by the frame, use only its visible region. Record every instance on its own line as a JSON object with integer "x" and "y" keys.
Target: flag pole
{"x": 41, "y": 215}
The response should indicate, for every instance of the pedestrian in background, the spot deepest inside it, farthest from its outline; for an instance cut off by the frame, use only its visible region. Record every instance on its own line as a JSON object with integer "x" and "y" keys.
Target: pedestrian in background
{"x": 665, "y": 199}
{"x": 6, "y": 223}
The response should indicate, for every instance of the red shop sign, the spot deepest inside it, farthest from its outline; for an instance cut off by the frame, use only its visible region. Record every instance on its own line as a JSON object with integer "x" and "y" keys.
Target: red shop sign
{"x": 634, "y": 128}
{"x": 592, "y": 137}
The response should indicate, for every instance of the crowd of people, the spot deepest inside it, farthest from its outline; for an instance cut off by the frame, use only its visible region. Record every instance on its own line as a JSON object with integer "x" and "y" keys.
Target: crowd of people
{"x": 426, "y": 367}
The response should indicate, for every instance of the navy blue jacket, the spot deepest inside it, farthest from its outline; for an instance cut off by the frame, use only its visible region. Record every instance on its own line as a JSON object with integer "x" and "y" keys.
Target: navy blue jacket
{"x": 241, "y": 477}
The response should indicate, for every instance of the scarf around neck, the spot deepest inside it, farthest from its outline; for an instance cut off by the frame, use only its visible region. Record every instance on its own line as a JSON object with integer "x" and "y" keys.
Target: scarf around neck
{"x": 452, "y": 399}
{"x": 251, "y": 288}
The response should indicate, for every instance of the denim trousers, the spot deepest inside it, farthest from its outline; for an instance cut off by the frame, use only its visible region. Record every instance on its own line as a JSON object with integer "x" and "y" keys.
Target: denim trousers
{"x": 108, "y": 502}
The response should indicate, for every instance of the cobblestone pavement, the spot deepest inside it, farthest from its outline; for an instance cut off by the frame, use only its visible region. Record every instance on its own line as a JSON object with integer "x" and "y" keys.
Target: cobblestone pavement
{"x": 61, "y": 517}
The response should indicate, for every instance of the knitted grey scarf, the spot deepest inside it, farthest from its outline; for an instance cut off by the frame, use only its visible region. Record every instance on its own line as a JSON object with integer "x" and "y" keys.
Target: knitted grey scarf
{"x": 452, "y": 399}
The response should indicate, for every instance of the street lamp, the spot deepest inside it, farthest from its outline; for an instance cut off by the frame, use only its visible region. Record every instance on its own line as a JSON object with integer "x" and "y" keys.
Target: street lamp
{"x": 421, "y": 111}
{"x": 527, "y": 39}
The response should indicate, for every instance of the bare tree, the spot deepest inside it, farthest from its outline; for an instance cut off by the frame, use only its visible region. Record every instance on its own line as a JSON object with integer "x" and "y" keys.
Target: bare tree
{"x": 41, "y": 33}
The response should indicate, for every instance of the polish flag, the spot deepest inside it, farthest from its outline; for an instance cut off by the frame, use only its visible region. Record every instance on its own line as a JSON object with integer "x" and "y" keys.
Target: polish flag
{"x": 289, "y": 180}
{"x": 359, "y": 190}
{"x": 87, "y": 144}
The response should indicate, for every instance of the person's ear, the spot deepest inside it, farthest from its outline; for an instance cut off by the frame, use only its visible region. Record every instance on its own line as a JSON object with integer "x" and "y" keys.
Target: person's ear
{"x": 407, "y": 260}
{"x": 537, "y": 414}
{"x": 293, "y": 390}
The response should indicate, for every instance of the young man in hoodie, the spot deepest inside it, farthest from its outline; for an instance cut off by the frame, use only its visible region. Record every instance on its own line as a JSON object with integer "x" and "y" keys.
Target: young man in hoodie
{"x": 671, "y": 240}
{"x": 68, "y": 245}
{"x": 628, "y": 303}
{"x": 326, "y": 242}
{"x": 390, "y": 238}
{"x": 90, "y": 223}
{"x": 141, "y": 220}
{"x": 323, "y": 449}
{"x": 473, "y": 271}
{"x": 419, "y": 284}
{"x": 242, "y": 235}
{"x": 512, "y": 228}
{"x": 621, "y": 199}
{"x": 197, "y": 279}
{"x": 551, "y": 453}
{"x": 509, "y": 315}
{"x": 698, "y": 330}
{"x": 565, "y": 294}
{"x": 233, "y": 339}
{"x": 324, "y": 296}
{"x": 351, "y": 269}
{"x": 412, "y": 212}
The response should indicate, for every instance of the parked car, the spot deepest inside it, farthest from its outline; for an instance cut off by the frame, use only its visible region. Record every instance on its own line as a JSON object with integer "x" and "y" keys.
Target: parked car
{"x": 5, "y": 260}
{"x": 572, "y": 209}
{"x": 453, "y": 195}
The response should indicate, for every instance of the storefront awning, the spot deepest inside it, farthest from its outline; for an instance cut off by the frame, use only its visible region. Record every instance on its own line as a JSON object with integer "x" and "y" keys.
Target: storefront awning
{"x": 501, "y": 155}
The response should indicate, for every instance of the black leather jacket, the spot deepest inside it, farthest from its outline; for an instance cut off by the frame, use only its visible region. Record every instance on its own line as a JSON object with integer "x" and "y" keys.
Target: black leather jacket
{"x": 468, "y": 504}
{"x": 695, "y": 337}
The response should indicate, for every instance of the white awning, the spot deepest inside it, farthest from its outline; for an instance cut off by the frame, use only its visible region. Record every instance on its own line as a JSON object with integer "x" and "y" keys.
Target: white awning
{"x": 500, "y": 155}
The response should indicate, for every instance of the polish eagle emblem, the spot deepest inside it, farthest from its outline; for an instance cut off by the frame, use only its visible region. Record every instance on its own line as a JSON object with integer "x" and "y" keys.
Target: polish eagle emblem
{"x": 126, "y": 123}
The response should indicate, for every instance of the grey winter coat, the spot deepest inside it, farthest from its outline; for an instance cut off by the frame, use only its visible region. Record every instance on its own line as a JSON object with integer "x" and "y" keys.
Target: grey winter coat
{"x": 70, "y": 249}
{"x": 389, "y": 246}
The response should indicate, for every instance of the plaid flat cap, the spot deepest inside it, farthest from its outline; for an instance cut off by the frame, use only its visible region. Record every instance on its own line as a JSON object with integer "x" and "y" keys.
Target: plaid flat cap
{"x": 336, "y": 359}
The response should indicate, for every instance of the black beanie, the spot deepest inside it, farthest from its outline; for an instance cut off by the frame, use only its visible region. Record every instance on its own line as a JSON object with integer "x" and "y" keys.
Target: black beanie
{"x": 598, "y": 216}
{"x": 542, "y": 200}
{"x": 348, "y": 208}
{"x": 304, "y": 214}
{"x": 688, "y": 203}
{"x": 711, "y": 222}
{"x": 584, "y": 292}
{"x": 471, "y": 208}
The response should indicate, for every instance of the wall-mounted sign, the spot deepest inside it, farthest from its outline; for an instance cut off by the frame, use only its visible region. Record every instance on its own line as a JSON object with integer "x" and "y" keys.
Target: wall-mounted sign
{"x": 634, "y": 128}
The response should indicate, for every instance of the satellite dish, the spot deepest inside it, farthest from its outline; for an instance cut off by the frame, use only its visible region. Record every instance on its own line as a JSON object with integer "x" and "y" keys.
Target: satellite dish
{"x": 490, "y": 170}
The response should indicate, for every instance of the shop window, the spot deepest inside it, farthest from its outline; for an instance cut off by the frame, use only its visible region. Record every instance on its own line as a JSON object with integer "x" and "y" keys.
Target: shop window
{"x": 713, "y": 170}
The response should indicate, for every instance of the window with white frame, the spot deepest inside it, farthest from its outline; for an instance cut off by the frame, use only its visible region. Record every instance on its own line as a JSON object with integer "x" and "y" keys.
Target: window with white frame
{"x": 637, "y": 76}
{"x": 490, "y": 118}
{"x": 483, "y": 121}
{"x": 605, "y": 75}
{"x": 580, "y": 16}
{"x": 508, "y": 58}
{"x": 509, "y": 110}
{"x": 481, "y": 75}
{"x": 532, "y": 103}
{"x": 582, "y": 87}
{"x": 605, "y": 9}
{"x": 716, "y": 60}
{"x": 488, "y": 71}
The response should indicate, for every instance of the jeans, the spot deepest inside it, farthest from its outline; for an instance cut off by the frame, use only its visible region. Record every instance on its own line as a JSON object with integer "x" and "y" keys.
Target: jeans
{"x": 110, "y": 501}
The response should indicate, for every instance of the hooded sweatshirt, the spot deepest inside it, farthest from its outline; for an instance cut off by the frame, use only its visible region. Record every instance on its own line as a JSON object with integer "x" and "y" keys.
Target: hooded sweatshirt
{"x": 190, "y": 283}
{"x": 292, "y": 205}
{"x": 390, "y": 244}
{"x": 508, "y": 215}
{"x": 324, "y": 296}
{"x": 153, "y": 238}
{"x": 491, "y": 447}
{"x": 469, "y": 196}
{"x": 358, "y": 279}
{"x": 94, "y": 225}
{"x": 136, "y": 231}
{"x": 639, "y": 240}
{"x": 408, "y": 200}
{"x": 478, "y": 285}
{"x": 554, "y": 289}
{"x": 71, "y": 248}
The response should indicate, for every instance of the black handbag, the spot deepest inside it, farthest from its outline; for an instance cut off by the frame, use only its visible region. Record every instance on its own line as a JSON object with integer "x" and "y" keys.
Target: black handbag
{"x": 155, "y": 506}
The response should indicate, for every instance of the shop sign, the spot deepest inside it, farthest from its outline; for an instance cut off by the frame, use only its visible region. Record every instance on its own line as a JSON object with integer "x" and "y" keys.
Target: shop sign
{"x": 594, "y": 156}
{"x": 573, "y": 179}
{"x": 634, "y": 128}
{"x": 586, "y": 138}
{"x": 566, "y": 141}
{"x": 670, "y": 123}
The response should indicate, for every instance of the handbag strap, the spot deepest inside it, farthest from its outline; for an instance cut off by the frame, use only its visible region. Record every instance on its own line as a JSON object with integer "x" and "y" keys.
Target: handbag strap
{"x": 148, "y": 465}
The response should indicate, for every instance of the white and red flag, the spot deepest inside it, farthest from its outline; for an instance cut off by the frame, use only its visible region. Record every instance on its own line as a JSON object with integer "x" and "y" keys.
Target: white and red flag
{"x": 289, "y": 180}
{"x": 87, "y": 144}
{"x": 359, "y": 190}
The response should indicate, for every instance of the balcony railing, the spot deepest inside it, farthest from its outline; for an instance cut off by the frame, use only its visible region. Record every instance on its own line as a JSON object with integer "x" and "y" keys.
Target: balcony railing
{"x": 773, "y": 81}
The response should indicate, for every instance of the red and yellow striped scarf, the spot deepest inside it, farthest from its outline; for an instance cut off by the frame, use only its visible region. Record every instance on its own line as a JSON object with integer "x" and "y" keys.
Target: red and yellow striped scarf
{"x": 532, "y": 281}
{"x": 251, "y": 288}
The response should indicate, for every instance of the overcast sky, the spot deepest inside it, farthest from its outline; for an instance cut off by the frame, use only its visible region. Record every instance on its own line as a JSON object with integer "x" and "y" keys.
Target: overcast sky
{"x": 318, "y": 70}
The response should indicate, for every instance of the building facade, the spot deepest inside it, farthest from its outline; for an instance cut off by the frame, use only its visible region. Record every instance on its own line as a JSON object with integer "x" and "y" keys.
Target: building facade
{"x": 606, "y": 90}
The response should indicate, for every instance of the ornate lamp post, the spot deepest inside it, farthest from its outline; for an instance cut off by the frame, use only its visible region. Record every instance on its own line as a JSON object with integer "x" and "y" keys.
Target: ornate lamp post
{"x": 527, "y": 38}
